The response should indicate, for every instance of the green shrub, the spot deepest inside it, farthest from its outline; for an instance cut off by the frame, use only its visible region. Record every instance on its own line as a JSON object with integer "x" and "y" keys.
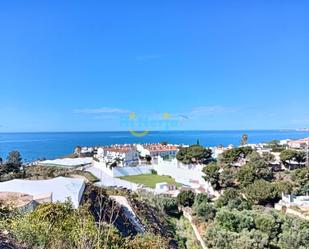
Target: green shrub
{"x": 186, "y": 198}
{"x": 154, "y": 172}
{"x": 205, "y": 211}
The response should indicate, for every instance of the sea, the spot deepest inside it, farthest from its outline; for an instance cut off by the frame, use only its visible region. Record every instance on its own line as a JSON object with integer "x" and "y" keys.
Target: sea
{"x": 50, "y": 145}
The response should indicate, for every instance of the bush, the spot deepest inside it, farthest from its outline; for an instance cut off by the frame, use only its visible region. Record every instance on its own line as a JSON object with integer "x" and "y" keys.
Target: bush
{"x": 186, "y": 198}
{"x": 219, "y": 238}
{"x": 147, "y": 241}
{"x": 232, "y": 199}
{"x": 261, "y": 192}
{"x": 59, "y": 226}
{"x": 148, "y": 158}
{"x": 234, "y": 221}
{"x": 154, "y": 172}
{"x": 231, "y": 156}
{"x": 168, "y": 205}
{"x": 201, "y": 198}
{"x": 55, "y": 226}
{"x": 256, "y": 229}
{"x": 212, "y": 173}
{"x": 205, "y": 211}
{"x": 268, "y": 224}
{"x": 295, "y": 234}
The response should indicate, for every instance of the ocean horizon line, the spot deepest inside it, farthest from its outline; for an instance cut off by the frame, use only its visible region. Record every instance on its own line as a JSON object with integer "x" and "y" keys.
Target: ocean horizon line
{"x": 189, "y": 130}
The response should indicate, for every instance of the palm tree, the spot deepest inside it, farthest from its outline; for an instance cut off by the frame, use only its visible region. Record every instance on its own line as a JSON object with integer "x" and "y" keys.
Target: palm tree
{"x": 244, "y": 139}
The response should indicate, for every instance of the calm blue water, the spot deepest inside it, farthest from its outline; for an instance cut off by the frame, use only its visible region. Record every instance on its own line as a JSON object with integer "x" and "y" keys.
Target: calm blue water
{"x": 53, "y": 145}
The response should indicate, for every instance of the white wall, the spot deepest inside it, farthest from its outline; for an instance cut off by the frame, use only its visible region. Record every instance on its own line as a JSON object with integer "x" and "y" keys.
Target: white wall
{"x": 182, "y": 175}
{"x": 123, "y": 171}
{"x": 130, "y": 171}
{"x": 102, "y": 166}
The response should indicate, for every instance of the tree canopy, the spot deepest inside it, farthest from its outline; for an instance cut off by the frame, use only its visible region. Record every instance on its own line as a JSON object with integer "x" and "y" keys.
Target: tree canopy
{"x": 256, "y": 168}
{"x": 289, "y": 155}
{"x": 212, "y": 174}
{"x": 255, "y": 229}
{"x": 14, "y": 157}
{"x": 194, "y": 154}
{"x": 186, "y": 198}
{"x": 12, "y": 164}
{"x": 244, "y": 139}
{"x": 231, "y": 156}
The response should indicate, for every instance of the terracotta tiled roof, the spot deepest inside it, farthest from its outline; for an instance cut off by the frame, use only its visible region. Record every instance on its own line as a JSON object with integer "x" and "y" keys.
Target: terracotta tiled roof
{"x": 160, "y": 147}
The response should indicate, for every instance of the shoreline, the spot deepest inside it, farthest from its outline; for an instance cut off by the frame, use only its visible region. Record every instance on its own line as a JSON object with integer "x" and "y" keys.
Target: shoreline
{"x": 33, "y": 146}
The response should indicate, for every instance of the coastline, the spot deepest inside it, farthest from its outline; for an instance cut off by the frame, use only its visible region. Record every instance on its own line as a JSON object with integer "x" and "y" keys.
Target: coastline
{"x": 52, "y": 145}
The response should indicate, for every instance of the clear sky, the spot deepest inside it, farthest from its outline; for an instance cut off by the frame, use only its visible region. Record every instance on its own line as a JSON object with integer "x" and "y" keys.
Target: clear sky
{"x": 86, "y": 65}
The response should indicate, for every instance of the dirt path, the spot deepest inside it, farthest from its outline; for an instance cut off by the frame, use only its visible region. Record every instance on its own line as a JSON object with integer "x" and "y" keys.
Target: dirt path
{"x": 196, "y": 232}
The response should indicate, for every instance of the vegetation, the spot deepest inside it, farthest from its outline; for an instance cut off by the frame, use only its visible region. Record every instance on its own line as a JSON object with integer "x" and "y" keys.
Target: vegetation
{"x": 255, "y": 229}
{"x": 150, "y": 180}
{"x": 238, "y": 218}
{"x": 232, "y": 222}
{"x": 186, "y": 198}
{"x": 12, "y": 167}
{"x": 57, "y": 226}
{"x": 244, "y": 139}
{"x": 233, "y": 155}
{"x": 205, "y": 211}
{"x": 149, "y": 210}
{"x": 194, "y": 154}
{"x": 256, "y": 168}
{"x": 212, "y": 174}
{"x": 179, "y": 228}
{"x": 185, "y": 235}
{"x": 254, "y": 182}
{"x": 43, "y": 172}
{"x": 276, "y": 146}
{"x": 287, "y": 156}
{"x": 154, "y": 172}
{"x": 14, "y": 158}
{"x": 233, "y": 199}
{"x": 300, "y": 178}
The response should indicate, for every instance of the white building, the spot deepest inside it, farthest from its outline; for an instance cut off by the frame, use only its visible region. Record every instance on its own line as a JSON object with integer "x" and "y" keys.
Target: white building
{"x": 156, "y": 150}
{"x": 284, "y": 142}
{"x": 142, "y": 151}
{"x": 164, "y": 187}
{"x": 292, "y": 200}
{"x": 58, "y": 189}
{"x": 122, "y": 155}
{"x": 294, "y": 205}
{"x": 299, "y": 144}
{"x": 85, "y": 150}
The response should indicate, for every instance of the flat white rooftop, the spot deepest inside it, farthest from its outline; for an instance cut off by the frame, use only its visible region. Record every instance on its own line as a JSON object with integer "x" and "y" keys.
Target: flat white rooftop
{"x": 68, "y": 162}
{"x": 61, "y": 188}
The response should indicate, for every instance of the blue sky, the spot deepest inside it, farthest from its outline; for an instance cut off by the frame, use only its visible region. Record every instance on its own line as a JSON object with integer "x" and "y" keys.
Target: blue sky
{"x": 86, "y": 65}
